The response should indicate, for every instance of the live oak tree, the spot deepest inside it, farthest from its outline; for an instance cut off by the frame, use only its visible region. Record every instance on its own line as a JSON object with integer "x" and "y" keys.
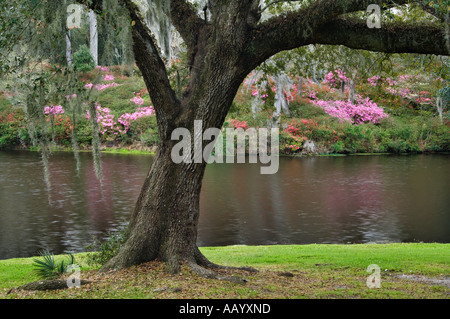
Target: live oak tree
{"x": 223, "y": 46}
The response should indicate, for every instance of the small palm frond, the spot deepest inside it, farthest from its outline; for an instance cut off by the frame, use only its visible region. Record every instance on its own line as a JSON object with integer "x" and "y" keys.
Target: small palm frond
{"x": 71, "y": 259}
{"x": 45, "y": 268}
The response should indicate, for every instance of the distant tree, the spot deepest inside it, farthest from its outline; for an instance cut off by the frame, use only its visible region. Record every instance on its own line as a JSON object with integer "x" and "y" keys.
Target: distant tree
{"x": 83, "y": 60}
{"x": 93, "y": 38}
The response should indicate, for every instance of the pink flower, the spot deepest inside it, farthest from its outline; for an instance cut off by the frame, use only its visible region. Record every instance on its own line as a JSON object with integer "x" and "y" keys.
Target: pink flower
{"x": 334, "y": 78}
{"x": 109, "y": 77}
{"x": 127, "y": 118}
{"x": 312, "y": 95}
{"x": 101, "y": 87}
{"x": 103, "y": 68}
{"x": 55, "y": 109}
{"x": 373, "y": 80}
{"x": 137, "y": 100}
{"x": 239, "y": 124}
{"x": 364, "y": 110}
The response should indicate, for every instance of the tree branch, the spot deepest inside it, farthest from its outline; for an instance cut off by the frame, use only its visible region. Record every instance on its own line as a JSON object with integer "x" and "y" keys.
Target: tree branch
{"x": 152, "y": 66}
{"x": 390, "y": 38}
{"x": 297, "y": 28}
{"x": 186, "y": 21}
{"x": 276, "y": 2}
{"x": 431, "y": 10}
{"x": 95, "y": 5}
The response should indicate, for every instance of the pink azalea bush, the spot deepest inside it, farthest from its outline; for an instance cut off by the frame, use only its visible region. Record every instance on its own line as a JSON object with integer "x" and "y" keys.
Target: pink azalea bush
{"x": 363, "y": 111}
{"x": 54, "y": 110}
{"x": 137, "y": 100}
{"x": 108, "y": 125}
{"x": 100, "y": 87}
{"x": 374, "y": 80}
{"x": 238, "y": 124}
{"x": 106, "y": 120}
{"x": 108, "y": 77}
{"x": 333, "y": 79}
{"x": 102, "y": 68}
{"x": 127, "y": 118}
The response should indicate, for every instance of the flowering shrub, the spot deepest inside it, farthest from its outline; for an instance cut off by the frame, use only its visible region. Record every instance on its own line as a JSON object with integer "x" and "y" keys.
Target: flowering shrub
{"x": 363, "y": 111}
{"x": 288, "y": 149}
{"x": 334, "y": 79}
{"x": 137, "y": 100}
{"x": 374, "y": 80}
{"x": 312, "y": 95}
{"x": 101, "y": 87}
{"x": 296, "y": 133}
{"x": 102, "y": 68}
{"x": 12, "y": 127}
{"x": 108, "y": 77}
{"x": 54, "y": 110}
{"x": 62, "y": 128}
{"x": 238, "y": 124}
{"x": 108, "y": 125}
{"x": 106, "y": 121}
{"x": 127, "y": 118}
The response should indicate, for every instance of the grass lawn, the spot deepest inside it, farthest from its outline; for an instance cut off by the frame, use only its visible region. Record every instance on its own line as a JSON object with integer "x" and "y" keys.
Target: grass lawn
{"x": 288, "y": 271}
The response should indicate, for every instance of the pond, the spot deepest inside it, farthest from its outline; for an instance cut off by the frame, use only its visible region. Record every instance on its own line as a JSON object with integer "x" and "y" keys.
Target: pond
{"x": 338, "y": 199}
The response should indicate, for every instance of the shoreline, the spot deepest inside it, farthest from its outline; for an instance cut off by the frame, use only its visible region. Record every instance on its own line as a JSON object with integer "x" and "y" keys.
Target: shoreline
{"x": 130, "y": 150}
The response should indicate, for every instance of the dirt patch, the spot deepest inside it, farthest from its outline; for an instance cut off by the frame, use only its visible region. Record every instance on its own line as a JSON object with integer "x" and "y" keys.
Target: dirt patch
{"x": 426, "y": 280}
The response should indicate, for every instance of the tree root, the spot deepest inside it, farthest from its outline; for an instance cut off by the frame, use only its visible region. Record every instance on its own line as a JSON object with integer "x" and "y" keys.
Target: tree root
{"x": 54, "y": 284}
{"x": 208, "y": 273}
{"x": 203, "y": 261}
{"x": 204, "y": 268}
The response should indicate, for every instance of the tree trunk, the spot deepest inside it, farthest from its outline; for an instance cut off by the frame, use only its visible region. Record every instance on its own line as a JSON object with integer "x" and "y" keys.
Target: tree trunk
{"x": 164, "y": 224}
{"x": 93, "y": 35}
{"x": 440, "y": 108}
{"x": 68, "y": 49}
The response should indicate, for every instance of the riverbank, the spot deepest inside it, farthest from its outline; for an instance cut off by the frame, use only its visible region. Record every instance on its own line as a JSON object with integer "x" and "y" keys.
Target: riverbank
{"x": 407, "y": 270}
{"x": 140, "y": 150}
{"x": 307, "y": 129}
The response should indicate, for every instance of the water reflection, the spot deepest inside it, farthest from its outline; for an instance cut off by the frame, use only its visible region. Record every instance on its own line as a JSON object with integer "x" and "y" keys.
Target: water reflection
{"x": 310, "y": 200}
{"x": 328, "y": 200}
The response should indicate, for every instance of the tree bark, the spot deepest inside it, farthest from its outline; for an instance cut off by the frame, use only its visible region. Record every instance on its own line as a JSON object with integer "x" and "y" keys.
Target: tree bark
{"x": 93, "y": 35}
{"x": 164, "y": 224}
{"x": 68, "y": 49}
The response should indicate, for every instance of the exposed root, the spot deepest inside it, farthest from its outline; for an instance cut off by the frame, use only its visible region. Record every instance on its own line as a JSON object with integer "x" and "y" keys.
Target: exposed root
{"x": 201, "y": 271}
{"x": 208, "y": 273}
{"x": 205, "y": 262}
{"x": 203, "y": 267}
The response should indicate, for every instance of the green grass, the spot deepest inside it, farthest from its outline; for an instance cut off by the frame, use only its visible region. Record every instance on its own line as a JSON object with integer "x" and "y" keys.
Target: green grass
{"x": 318, "y": 271}
{"x": 426, "y": 259}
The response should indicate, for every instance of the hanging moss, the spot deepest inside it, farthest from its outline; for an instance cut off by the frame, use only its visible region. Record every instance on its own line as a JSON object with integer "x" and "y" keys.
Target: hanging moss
{"x": 95, "y": 141}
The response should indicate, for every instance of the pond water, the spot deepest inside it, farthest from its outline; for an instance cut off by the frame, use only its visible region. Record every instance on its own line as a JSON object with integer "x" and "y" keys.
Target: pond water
{"x": 351, "y": 199}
